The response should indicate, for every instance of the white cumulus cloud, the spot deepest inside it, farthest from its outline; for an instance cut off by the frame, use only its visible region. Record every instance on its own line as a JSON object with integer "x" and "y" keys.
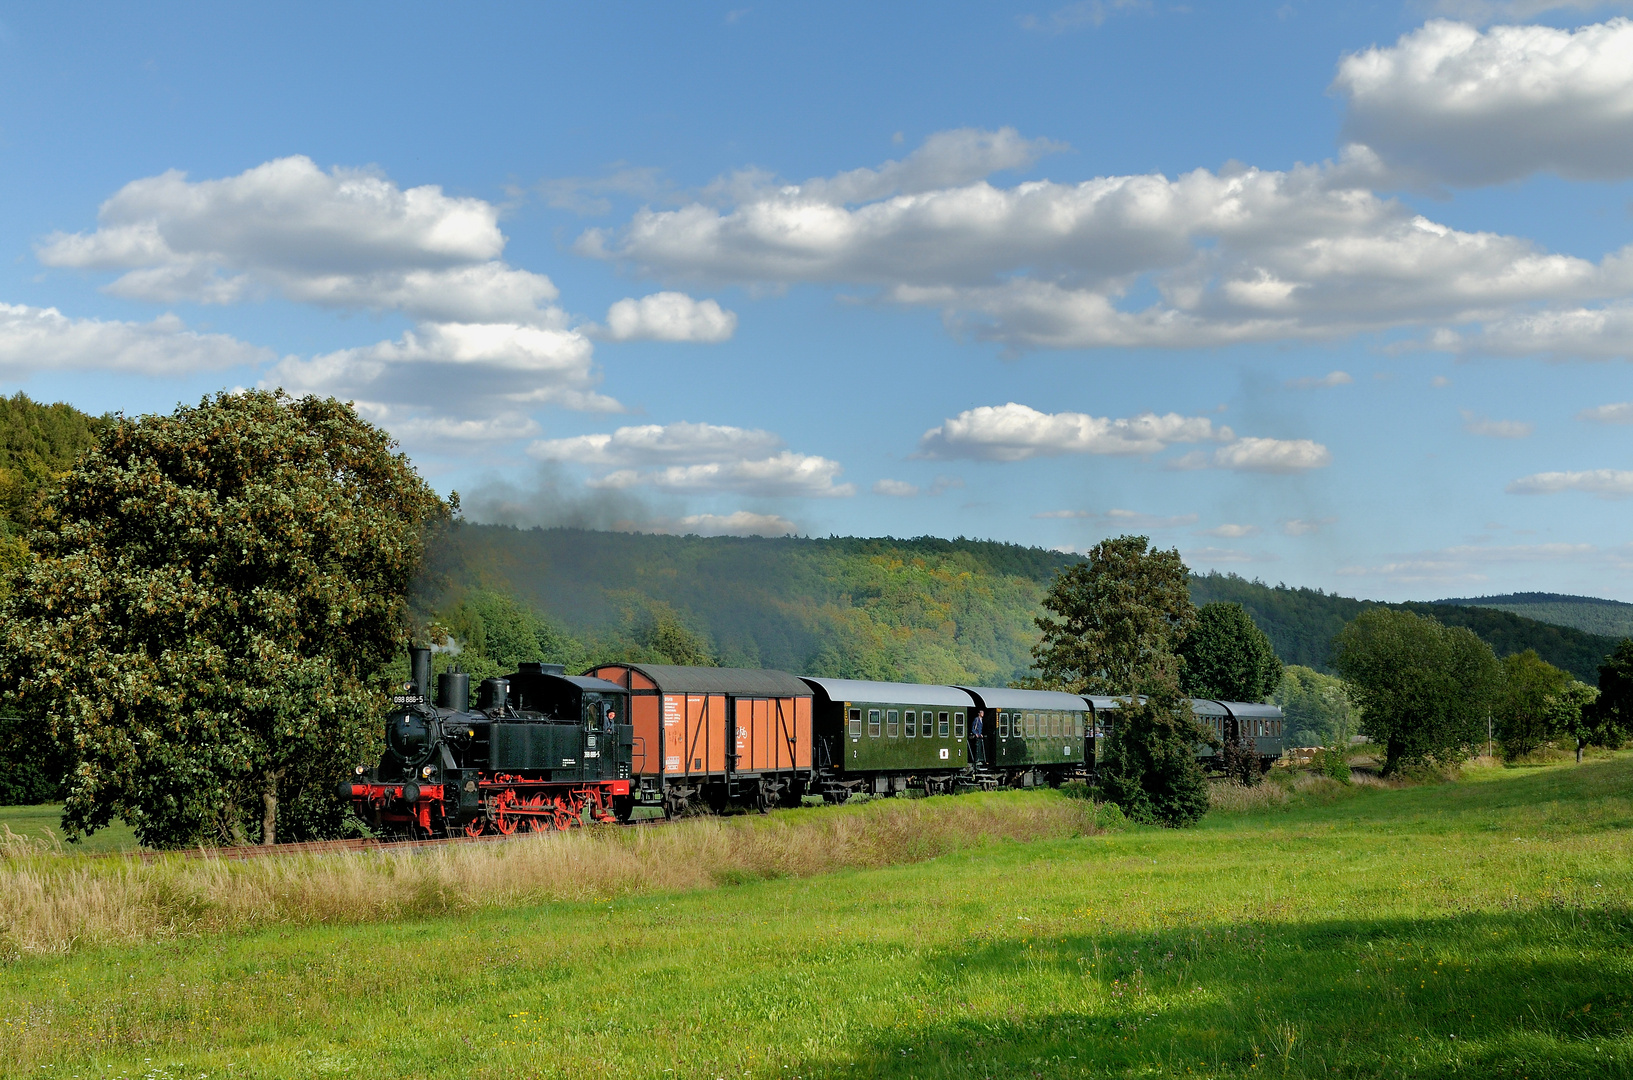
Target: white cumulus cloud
{"x": 1610, "y": 483}
{"x": 1014, "y": 432}
{"x": 1619, "y": 413}
{"x": 1238, "y": 255}
{"x": 1306, "y": 526}
{"x": 669, "y": 316}
{"x": 686, "y": 458}
{"x": 1452, "y": 103}
{"x": 1475, "y": 424}
{"x": 44, "y": 339}
{"x": 737, "y": 523}
{"x": 457, "y": 371}
{"x": 1232, "y": 532}
{"x": 1320, "y": 382}
{"x": 1272, "y": 455}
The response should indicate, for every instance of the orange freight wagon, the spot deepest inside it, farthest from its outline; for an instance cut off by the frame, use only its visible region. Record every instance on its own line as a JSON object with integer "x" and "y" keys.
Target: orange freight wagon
{"x": 716, "y": 736}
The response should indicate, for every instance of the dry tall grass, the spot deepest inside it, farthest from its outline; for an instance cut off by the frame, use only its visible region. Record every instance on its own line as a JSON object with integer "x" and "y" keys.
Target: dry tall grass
{"x": 52, "y": 902}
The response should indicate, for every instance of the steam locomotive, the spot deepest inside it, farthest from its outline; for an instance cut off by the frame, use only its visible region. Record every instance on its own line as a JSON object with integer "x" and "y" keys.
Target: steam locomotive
{"x": 546, "y": 750}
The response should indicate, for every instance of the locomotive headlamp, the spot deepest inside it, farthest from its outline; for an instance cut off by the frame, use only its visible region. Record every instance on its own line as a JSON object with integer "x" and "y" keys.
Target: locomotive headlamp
{"x": 426, "y": 772}
{"x": 358, "y": 770}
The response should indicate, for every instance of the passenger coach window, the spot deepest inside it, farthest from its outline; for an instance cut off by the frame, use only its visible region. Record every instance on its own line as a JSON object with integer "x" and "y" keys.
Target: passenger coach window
{"x": 958, "y": 724}
{"x": 1031, "y": 725}
{"x": 893, "y": 727}
{"x": 1003, "y": 725}
{"x": 873, "y": 723}
{"x": 912, "y": 725}
{"x": 943, "y": 730}
{"x": 856, "y": 723}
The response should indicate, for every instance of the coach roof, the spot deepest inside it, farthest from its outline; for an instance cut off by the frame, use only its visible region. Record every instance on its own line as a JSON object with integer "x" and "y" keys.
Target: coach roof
{"x": 738, "y": 682}
{"x": 1003, "y": 697}
{"x": 891, "y": 693}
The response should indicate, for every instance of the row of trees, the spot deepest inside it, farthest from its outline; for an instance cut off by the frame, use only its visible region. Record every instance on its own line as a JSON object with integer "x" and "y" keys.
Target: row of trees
{"x": 1122, "y": 623}
{"x": 1432, "y": 694}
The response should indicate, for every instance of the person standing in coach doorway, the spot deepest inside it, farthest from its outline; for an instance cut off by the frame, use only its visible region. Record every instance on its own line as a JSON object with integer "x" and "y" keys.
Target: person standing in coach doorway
{"x": 978, "y": 737}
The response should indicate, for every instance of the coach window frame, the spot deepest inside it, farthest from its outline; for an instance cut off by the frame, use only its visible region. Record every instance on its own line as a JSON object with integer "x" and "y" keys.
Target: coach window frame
{"x": 958, "y": 725}
{"x": 874, "y": 720}
{"x": 893, "y": 724}
{"x": 855, "y": 720}
{"x": 943, "y": 727}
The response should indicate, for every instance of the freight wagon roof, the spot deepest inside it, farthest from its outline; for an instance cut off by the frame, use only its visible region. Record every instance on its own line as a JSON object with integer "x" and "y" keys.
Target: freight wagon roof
{"x": 901, "y": 693}
{"x": 1004, "y": 697}
{"x": 600, "y": 686}
{"x": 740, "y": 682}
{"x": 1248, "y": 708}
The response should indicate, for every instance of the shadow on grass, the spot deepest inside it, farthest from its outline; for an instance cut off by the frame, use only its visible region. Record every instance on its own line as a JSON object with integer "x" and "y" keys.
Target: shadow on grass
{"x": 1538, "y": 994}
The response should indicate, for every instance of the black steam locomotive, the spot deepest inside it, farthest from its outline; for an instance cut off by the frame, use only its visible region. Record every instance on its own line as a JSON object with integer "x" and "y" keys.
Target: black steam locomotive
{"x": 545, "y": 750}
{"x": 541, "y": 750}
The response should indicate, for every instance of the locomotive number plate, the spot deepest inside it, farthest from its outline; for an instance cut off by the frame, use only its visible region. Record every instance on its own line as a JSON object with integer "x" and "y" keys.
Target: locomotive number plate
{"x": 408, "y": 699}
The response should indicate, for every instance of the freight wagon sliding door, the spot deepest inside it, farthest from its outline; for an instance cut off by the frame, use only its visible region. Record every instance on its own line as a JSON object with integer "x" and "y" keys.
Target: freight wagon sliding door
{"x": 773, "y": 734}
{"x": 694, "y": 739}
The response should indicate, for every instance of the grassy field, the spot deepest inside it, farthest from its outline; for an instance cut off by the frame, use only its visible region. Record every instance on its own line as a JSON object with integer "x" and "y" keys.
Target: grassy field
{"x": 45, "y": 823}
{"x": 1481, "y": 929}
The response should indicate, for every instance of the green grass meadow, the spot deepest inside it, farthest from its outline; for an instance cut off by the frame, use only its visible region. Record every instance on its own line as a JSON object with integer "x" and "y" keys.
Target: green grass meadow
{"x": 1480, "y": 928}
{"x": 45, "y": 822}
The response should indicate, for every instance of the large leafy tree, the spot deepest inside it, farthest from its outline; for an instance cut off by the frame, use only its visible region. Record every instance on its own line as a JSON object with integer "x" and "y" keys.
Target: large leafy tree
{"x": 1608, "y": 721}
{"x": 1115, "y": 622}
{"x": 1526, "y": 712}
{"x": 1114, "y": 618}
{"x": 1423, "y": 688}
{"x": 206, "y": 599}
{"x": 1227, "y": 657}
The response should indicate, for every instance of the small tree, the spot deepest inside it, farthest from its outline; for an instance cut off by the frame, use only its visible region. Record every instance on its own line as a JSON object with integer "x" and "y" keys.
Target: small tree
{"x": 1573, "y": 714}
{"x": 1609, "y": 721}
{"x": 1117, "y": 618}
{"x": 1118, "y": 615}
{"x": 1149, "y": 765}
{"x": 1227, "y": 657}
{"x": 1525, "y": 711}
{"x": 205, "y": 600}
{"x": 1423, "y": 688}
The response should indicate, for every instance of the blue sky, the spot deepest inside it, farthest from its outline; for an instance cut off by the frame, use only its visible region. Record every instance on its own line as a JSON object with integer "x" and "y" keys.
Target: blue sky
{"x": 1336, "y": 295}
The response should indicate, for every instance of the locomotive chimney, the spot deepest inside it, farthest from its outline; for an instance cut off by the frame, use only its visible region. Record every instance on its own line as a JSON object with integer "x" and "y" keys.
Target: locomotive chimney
{"x": 419, "y": 666}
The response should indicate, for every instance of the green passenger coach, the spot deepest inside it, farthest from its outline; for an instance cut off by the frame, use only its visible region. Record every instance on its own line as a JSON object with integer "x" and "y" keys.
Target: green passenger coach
{"x": 884, "y": 736}
{"x": 1032, "y": 736}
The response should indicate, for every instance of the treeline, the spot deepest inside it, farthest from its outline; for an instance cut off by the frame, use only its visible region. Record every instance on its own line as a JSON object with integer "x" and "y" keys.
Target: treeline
{"x": 1304, "y": 623}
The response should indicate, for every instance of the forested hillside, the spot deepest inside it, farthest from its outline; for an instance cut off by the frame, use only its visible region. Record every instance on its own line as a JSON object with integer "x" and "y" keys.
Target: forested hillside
{"x": 923, "y": 609}
{"x": 1610, "y": 618}
{"x": 926, "y": 609}
{"x": 38, "y": 444}
{"x": 1301, "y": 624}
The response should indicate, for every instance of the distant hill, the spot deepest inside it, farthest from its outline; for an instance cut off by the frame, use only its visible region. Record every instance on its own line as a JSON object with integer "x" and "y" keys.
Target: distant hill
{"x": 38, "y": 445}
{"x": 1610, "y": 618}
{"x": 920, "y": 609}
{"x": 1301, "y": 623}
